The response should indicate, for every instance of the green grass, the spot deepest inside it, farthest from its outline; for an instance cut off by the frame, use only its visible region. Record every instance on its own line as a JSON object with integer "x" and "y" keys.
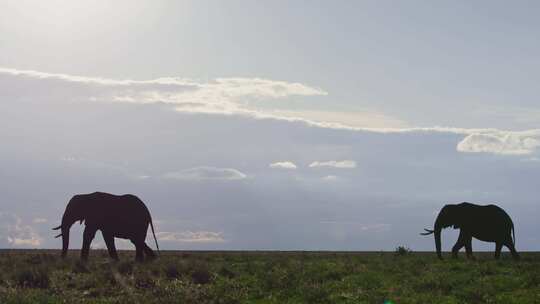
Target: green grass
{"x": 34, "y": 276}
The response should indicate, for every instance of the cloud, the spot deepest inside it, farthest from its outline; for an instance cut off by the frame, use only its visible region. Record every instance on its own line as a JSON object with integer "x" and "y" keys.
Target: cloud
{"x": 231, "y": 87}
{"x": 330, "y": 178}
{"x": 234, "y": 96}
{"x": 222, "y": 95}
{"x": 191, "y": 237}
{"x": 283, "y": 165}
{"x": 499, "y": 142}
{"x": 101, "y": 166}
{"x": 154, "y": 140}
{"x": 16, "y": 233}
{"x": 31, "y": 242}
{"x": 206, "y": 173}
{"x": 258, "y": 87}
{"x": 356, "y": 119}
{"x": 343, "y": 164}
{"x": 375, "y": 227}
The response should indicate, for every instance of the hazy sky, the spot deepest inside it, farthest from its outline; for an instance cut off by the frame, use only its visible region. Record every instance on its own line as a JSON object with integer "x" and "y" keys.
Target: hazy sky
{"x": 276, "y": 125}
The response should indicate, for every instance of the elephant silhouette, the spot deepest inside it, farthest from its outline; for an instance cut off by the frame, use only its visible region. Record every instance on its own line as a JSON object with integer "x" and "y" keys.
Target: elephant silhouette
{"x": 488, "y": 223}
{"x": 121, "y": 216}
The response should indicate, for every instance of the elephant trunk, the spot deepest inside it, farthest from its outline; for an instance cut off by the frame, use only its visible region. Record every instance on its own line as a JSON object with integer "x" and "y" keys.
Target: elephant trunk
{"x": 67, "y": 221}
{"x": 438, "y": 242}
{"x": 65, "y": 241}
{"x": 437, "y": 234}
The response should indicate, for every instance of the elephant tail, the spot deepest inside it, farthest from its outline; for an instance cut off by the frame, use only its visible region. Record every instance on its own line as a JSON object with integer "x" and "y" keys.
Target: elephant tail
{"x": 514, "y": 234}
{"x": 154, "y": 234}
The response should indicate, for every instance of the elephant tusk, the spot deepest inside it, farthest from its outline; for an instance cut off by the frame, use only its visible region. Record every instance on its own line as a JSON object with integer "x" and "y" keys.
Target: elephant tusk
{"x": 428, "y": 232}
{"x": 58, "y": 236}
{"x": 56, "y": 228}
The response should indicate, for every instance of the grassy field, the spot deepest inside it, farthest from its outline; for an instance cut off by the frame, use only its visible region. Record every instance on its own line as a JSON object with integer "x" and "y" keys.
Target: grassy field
{"x": 34, "y": 276}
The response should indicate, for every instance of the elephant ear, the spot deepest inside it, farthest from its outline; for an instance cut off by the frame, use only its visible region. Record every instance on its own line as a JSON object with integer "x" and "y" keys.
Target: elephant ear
{"x": 458, "y": 221}
{"x": 456, "y": 216}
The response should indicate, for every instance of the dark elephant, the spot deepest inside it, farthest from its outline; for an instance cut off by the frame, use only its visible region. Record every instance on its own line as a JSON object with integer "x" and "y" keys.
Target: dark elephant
{"x": 121, "y": 216}
{"x": 487, "y": 223}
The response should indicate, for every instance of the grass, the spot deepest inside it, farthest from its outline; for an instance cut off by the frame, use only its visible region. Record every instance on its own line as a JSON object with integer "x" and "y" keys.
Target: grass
{"x": 32, "y": 276}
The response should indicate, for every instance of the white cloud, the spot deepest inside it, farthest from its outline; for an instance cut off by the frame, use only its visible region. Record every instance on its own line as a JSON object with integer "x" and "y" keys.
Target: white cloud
{"x": 232, "y": 96}
{"x": 356, "y": 119}
{"x": 39, "y": 220}
{"x": 258, "y": 87}
{"x": 342, "y": 164}
{"x": 92, "y": 80}
{"x": 330, "y": 178}
{"x": 223, "y": 95}
{"x": 31, "y": 242}
{"x": 500, "y": 142}
{"x": 191, "y": 237}
{"x": 16, "y": 233}
{"x": 206, "y": 173}
{"x": 283, "y": 165}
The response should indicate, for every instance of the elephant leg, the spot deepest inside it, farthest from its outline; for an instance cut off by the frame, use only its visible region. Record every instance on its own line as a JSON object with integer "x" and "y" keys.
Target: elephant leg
{"x": 139, "y": 248}
{"x": 109, "y": 241}
{"x": 149, "y": 252}
{"x": 512, "y": 248}
{"x": 88, "y": 236}
{"x": 459, "y": 244}
{"x": 468, "y": 248}
{"x": 456, "y": 249}
{"x": 498, "y": 247}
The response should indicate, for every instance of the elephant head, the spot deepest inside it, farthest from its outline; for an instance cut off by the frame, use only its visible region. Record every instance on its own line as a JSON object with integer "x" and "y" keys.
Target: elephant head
{"x": 449, "y": 215}
{"x": 75, "y": 211}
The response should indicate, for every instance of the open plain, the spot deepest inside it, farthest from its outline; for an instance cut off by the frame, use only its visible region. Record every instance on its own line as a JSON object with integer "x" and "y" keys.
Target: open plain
{"x": 41, "y": 276}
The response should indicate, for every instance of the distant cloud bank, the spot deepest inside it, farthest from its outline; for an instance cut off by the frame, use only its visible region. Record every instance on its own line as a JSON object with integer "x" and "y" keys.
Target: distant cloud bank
{"x": 14, "y": 232}
{"x": 191, "y": 237}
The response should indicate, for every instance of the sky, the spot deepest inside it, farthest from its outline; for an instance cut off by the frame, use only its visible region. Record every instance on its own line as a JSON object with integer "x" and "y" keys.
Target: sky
{"x": 283, "y": 125}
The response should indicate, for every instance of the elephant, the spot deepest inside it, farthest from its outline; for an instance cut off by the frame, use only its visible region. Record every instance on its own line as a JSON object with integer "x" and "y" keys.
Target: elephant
{"x": 121, "y": 216}
{"x": 488, "y": 223}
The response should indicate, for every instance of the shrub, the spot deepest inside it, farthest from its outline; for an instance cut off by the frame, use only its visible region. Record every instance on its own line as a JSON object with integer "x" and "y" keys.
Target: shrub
{"x": 32, "y": 278}
{"x": 226, "y": 291}
{"x": 201, "y": 274}
{"x": 144, "y": 280}
{"x": 172, "y": 271}
{"x": 316, "y": 293}
{"x": 107, "y": 277}
{"x": 80, "y": 267}
{"x": 402, "y": 250}
{"x": 125, "y": 268}
{"x": 226, "y": 272}
{"x": 34, "y": 259}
